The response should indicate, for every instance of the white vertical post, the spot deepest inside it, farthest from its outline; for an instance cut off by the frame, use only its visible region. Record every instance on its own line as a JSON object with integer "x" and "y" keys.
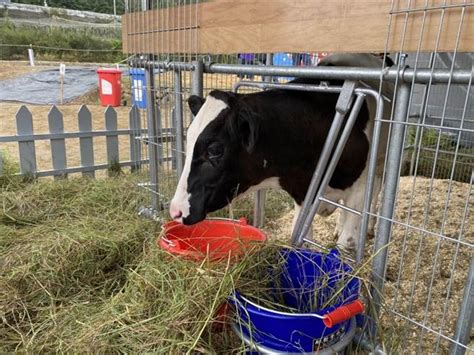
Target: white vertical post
{"x": 62, "y": 73}
{"x": 24, "y": 126}
{"x": 86, "y": 143}
{"x": 58, "y": 146}
{"x": 31, "y": 56}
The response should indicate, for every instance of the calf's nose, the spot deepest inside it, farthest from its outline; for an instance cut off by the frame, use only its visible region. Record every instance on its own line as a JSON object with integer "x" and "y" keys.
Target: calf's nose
{"x": 175, "y": 214}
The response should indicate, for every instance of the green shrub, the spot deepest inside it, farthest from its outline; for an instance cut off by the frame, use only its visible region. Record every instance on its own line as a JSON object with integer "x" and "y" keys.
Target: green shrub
{"x": 79, "y": 44}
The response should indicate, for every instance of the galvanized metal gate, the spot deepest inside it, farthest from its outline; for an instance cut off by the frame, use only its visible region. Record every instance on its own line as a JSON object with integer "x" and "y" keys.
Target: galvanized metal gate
{"x": 422, "y": 264}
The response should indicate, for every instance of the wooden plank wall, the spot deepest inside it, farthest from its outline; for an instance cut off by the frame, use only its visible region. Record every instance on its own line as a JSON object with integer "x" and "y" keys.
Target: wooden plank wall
{"x": 260, "y": 26}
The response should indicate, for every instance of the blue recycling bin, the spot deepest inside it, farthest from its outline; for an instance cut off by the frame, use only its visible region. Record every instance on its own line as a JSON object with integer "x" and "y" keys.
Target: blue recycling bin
{"x": 137, "y": 76}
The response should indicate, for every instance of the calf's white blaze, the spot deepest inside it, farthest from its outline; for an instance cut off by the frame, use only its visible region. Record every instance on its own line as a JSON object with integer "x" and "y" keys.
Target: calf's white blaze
{"x": 209, "y": 111}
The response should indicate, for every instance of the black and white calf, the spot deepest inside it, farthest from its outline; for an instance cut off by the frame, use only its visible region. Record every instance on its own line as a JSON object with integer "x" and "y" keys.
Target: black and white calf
{"x": 239, "y": 143}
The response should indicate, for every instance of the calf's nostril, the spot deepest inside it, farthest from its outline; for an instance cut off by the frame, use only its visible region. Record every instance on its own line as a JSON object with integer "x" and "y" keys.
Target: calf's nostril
{"x": 176, "y": 214}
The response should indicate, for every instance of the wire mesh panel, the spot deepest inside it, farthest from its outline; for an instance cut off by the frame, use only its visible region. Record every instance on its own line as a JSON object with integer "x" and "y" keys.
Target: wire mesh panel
{"x": 167, "y": 88}
{"x": 431, "y": 246}
{"x": 427, "y": 107}
{"x": 423, "y": 254}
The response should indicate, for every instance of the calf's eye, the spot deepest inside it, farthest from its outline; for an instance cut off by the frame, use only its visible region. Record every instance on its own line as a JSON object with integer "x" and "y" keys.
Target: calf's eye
{"x": 215, "y": 150}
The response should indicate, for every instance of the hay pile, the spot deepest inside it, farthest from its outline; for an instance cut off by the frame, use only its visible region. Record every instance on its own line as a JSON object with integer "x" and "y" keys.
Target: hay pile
{"x": 80, "y": 271}
{"x": 418, "y": 262}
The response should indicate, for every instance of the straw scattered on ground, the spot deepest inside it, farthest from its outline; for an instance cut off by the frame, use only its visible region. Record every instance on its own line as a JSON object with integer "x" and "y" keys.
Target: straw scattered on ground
{"x": 80, "y": 271}
{"x": 418, "y": 262}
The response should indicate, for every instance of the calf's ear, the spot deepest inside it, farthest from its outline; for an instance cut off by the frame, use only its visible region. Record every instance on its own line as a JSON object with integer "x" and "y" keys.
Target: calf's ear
{"x": 248, "y": 128}
{"x": 195, "y": 103}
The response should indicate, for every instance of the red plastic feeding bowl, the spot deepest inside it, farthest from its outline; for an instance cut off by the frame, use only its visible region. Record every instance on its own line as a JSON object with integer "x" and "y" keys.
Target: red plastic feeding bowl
{"x": 216, "y": 239}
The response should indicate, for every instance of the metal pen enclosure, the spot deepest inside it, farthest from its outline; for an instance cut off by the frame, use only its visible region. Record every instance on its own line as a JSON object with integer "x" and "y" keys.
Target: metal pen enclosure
{"x": 422, "y": 256}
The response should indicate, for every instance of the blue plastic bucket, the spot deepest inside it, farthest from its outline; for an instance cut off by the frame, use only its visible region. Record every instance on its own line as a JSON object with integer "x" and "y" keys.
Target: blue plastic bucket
{"x": 305, "y": 281}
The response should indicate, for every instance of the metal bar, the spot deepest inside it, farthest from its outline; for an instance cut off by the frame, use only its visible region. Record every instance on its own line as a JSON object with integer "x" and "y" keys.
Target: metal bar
{"x": 197, "y": 79}
{"x": 431, "y": 8}
{"x": 466, "y": 315}
{"x": 407, "y": 75}
{"x": 152, "y": 115}
{"x": 160, "y": 30}
{"x": 81, "y": 169}
{"x": 268, "y": 61}
{"x": 168, "y": 65}
{"x": 441, "y": 128}
{"x": 342, "y": 207}
{"x": 259, "y": 209}
{"x": 342, "y": 107}
{"x": 446, "y": 119}
{"x": 372, "y": 171}
{"x": 178, "y": 122}
{"x": 332, "y": 164}
{"x": 427, "y": 232}
{"x": 49, "y": 136}
{"x": 422, "y": 326}
{"x": 442, "y": 151}
{"x": 389, "y": 194}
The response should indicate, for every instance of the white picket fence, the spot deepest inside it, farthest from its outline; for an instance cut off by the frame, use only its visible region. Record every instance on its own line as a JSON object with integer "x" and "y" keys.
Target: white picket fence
{"x": 26, "y": 142}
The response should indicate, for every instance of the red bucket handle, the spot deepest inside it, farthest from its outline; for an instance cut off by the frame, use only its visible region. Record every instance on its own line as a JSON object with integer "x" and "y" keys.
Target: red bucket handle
{"x": 343, "y": 313}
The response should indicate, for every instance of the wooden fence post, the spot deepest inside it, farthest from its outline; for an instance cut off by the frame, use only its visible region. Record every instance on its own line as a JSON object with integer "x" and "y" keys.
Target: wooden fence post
{"x": 58, "y": 146}
{"x": 86, "y": 143}
{"x": 135, "y": 146}
{"x": 111, "y": 140}
{"x": 24, "y": 126}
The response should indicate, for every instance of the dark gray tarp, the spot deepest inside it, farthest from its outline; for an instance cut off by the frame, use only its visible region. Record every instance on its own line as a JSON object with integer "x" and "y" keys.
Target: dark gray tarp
{"x": 44, "y": 87}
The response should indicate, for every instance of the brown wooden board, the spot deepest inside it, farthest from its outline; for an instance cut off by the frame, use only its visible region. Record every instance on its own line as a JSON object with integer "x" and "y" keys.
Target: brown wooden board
{"x": 260, "y": 26}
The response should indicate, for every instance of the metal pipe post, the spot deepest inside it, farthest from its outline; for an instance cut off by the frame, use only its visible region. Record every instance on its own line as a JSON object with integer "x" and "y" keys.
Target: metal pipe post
{"x": 153, "y": 119}
{"x": 390, "y": 191}
{"x": 372, "y": 171}
{"x": 268, "y": 61}
{"x": 178, "y": 122}
{"x": 331, "y": 167}
{"x": 259, "y": 209}
{"x": 466, "y": 315}
{"x": 259, "y": 205}
{"x": 197, "y": 79}
{"x": 342, "y": 106}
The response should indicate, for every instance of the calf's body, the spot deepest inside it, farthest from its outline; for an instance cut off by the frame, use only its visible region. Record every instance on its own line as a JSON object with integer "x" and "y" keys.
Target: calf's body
{"x": 272, "y": 139}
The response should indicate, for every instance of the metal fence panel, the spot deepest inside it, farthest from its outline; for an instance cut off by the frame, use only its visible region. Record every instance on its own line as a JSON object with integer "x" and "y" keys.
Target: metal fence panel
{"x": 422, "y": 255}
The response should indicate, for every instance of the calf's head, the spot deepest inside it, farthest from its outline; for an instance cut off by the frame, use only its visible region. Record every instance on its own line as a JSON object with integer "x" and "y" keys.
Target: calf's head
{"x": 220, "y": 143}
